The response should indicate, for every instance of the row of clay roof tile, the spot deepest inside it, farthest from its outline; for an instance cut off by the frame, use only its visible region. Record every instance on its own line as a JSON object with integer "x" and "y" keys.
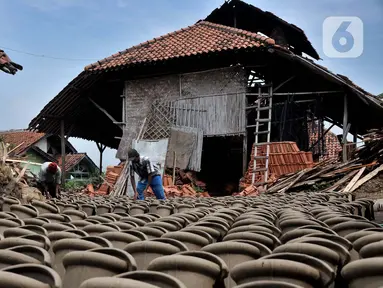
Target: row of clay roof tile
{"x": 202, "y": 37}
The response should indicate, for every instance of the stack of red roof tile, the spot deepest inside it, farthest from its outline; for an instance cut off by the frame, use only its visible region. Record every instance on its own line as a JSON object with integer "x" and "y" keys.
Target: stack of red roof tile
{"x": 111, "y": 177}
{"x": 284, "y": 158}
{"x": 185, "y": 191}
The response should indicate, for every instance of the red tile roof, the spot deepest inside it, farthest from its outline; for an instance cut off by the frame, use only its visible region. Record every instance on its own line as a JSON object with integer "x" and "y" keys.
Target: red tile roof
{"x": 201, "y": 38}
{"x": 71, "y": 160}
{"x": 25, "y": 138}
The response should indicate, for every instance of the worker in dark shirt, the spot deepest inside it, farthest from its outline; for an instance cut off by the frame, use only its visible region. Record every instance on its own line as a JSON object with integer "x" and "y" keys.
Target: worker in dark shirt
{"x": 148, "y": 173}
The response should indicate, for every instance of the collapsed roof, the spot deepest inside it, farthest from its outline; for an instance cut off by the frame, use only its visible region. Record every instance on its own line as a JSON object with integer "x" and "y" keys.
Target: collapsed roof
{"x": 236, "y": 13}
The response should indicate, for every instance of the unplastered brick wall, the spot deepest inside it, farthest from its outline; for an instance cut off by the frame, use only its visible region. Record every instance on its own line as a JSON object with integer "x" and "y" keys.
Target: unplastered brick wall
{"x": 219, "y": 81}
{"x": 141, "y": 93}
{"x": 332, "y": 147}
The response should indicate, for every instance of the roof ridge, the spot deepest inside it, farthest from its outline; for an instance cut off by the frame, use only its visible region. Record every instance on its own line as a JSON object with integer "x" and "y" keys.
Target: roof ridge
{"x": 18, "y": 131}
{"x": 100, "y": 62}
{"x": 240, "y": 32}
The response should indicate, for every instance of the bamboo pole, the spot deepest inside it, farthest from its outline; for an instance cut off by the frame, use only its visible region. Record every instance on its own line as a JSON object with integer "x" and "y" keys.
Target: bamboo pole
{"x": 174, "y": 167}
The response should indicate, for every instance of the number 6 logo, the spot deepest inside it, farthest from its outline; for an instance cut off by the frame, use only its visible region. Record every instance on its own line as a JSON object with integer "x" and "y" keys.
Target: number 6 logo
{"x": 343, "y": 37}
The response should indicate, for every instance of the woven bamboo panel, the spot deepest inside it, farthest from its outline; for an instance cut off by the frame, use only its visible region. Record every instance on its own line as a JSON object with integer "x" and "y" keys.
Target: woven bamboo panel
{"x": 160, "y": 119}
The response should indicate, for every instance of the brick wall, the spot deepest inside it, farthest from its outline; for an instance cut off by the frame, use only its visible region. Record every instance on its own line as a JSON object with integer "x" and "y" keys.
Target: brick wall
{"x": 142, "y": 92}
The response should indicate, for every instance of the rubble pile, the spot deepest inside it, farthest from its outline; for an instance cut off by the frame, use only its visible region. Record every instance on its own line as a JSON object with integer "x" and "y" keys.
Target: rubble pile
{"x": 186, "y": 184}
{"x": 111, "y": 176}
{"x": 331, "y": 175}
{"x": 14, "y": 181}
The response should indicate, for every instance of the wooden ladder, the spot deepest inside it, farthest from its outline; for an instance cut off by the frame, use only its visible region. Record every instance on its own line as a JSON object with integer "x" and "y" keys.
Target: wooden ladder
{"x": 264, "y": 107}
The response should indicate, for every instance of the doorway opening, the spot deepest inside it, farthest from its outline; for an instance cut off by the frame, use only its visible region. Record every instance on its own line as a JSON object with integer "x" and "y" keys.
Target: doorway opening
{"x": 221, "y": 165}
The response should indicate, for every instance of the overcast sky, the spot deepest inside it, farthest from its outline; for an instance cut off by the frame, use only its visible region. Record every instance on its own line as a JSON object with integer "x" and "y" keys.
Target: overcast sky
{"x": 84, "y": 31}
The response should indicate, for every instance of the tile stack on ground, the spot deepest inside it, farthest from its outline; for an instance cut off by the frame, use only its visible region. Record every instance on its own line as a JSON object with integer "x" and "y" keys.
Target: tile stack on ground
{"x": 284, "y": 158}
{"x": 111, "y": 177}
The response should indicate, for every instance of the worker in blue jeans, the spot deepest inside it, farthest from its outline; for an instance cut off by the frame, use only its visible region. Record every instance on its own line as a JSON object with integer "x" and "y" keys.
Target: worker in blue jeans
{"x": 149, "y": 176}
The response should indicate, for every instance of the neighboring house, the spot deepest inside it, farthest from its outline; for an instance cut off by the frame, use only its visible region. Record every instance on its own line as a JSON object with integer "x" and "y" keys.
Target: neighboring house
{"x": 39, "y": 148}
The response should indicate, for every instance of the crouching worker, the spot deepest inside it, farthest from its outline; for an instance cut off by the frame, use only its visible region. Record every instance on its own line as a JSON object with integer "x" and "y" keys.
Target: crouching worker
{"x": 148, "y": 173}
{"x": 49, "y": 180}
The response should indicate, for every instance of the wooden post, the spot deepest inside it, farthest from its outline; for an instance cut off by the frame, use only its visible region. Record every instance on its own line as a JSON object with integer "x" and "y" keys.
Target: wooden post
{"x": 63, "y": 152}
{"x": 345, "y": 124}
{"x": 244, "y": 148}
{"x": 101, "y": 152}
{"x": 101, "y": 149}
{"x": 244, "y": 156}
{"x": 174, "y": 167}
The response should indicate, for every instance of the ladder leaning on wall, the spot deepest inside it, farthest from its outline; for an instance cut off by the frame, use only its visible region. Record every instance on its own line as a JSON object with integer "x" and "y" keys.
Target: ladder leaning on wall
{"x": 264, "y": 105}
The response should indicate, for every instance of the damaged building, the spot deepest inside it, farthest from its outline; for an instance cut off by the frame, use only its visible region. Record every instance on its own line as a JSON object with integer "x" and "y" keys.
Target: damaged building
{"x": 213, "y": 97}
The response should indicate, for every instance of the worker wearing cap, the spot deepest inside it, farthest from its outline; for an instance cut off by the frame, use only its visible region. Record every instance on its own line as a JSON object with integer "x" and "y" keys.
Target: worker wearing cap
{"x": 49, "y": 179}
{"x": 148, "y": 173}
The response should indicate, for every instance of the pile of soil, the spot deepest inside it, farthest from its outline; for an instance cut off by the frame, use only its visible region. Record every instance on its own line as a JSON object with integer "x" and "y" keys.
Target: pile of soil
{"x": 372, "y": 189}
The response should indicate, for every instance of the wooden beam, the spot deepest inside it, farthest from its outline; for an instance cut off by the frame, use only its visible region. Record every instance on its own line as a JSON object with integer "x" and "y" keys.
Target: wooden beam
{"x": 283, "y": 83}
{"x": 69, "y": 131}
{"x": 104, "y": 111}
{"x": 23, "y": 162}
{"x": 299, "y": 176}
{"x": 345, "y": 124}
{"x": 324, "y": 134}
{"x": 51, "y": 116}
{"x": 63, "y": 152}
{"x": 244, "y": 148}
{"x": 341, "y": 181}
{"x": 354, "y": 180}
{"x": 101, "y": 149}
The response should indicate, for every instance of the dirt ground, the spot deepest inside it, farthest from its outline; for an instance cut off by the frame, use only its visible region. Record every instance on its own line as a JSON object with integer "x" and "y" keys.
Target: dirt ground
{"x": 372, "y": 189}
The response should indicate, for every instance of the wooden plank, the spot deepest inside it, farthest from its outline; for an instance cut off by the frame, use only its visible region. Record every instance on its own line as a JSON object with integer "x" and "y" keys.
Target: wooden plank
{"x": 140, "y": 133}
{"x": 18, "y": 146}
{"x": 299, "y": 176}
{"x": 104, "y": 111}
{"x": 366, "y": 178}
{"x": 63, "y": 151}
{"x": 341, "y": 181}
{"x": 345, "y": 126}
{"x": 281, "y": 184}
{"x": 23, "y": 162}
{"x": 307, "y": 183}
{"x": 339, "y": 171}
{"x": 174, "y": 167}
{"x": 354, "y": 180}
{"x": 325, "y": 170}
